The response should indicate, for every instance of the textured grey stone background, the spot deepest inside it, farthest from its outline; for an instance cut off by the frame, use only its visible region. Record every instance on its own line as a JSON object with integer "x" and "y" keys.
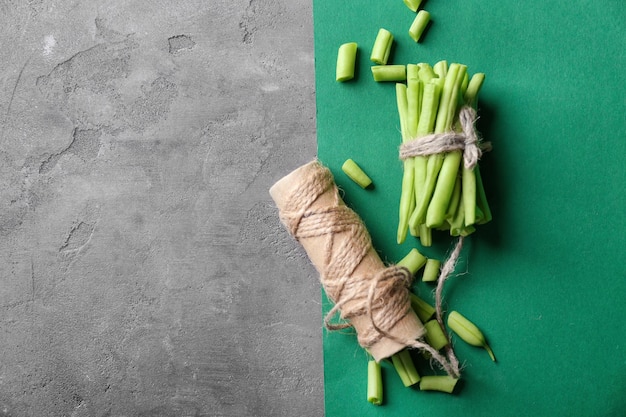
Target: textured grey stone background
{"x": 143, "y": 270}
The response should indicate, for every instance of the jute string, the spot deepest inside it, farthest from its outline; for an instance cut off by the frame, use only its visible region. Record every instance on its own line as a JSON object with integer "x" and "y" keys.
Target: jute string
{"x": 467, "y": 141}
{"x": 382, "y": 297}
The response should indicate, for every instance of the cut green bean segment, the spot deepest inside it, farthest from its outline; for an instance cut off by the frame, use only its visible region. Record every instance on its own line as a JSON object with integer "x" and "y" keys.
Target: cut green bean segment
{"x": 423, "y": 310}
{"x": 413, "y": 261}
{"x": 346, "y": 59}
{"x": 355, "y": 173}
{"x": 435, "y": 335}
{"x": 431, "y": 270}
{"x": 426, "y": 73}
{"x": 382, "y": 73}
{"x": 407, "y": 199}
{"x": 458, "y": 221}
{"x": 428, "y": 114}
{"x": 374, "y": 383}
{"x": 382, "y": 47}
{"x": 419, "y": 24}
{"x": 469, "y": 195}
{"x": 468, "y": 331}
{"x": 413, "y": 95}
{"x": 441, "y": 68}
{"x": 471, "y": 94}
{"x": 403, "y": 363}
{"x": 454, "y": 200}
{"x": 426, "y": 235}
{"x": 413, "y": 4}
{"x": 443, "y": 383}
{"x": 481, "y": 198}
{"x": 446, "y": 177}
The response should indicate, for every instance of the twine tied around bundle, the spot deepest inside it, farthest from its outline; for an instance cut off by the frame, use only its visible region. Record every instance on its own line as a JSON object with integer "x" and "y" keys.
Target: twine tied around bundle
{"x": 467, "y": 141}
{"x": 381, "y": 297}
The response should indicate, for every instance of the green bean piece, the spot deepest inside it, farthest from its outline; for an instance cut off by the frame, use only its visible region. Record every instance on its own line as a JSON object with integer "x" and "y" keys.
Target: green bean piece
{"x": 382, "y": 73}
{"x": 467, "y": 230}
{"x": 413, "y": 95}
{"x": 355, "y": 173}
{"x": 443, "y": 383}
{"x": 468, "y": 331}
{"x": 479, "y": 214}
{"x": 346, "y": 59}
{"x": 445, "y": 115}
{"x": 469, "y": 175}
{"x": 423, "y": 310}
{"x": 471, "y": 94}
{"x": 458, "y": 221}
{"x": 469, "y": 195}
{"x": 481, "y": 197}
{"x": 413, "y": 4}
{"x": 407, "y": 199}
{"x": 413, "y": 261}
{"x": 446, "y": 178}
{"x": 431, "y": 270}
{"x": 412, "y": 71}
{"x": 419, "y": 24}
{"x": 435, "y": 335}
{"x": 426, "y": 73}
{"x": 374, "y": 383}
{"x": 382, "y": 47}
{"x": 441, "y": 69}
{"x": 465, "y": 83}
{"x": 426, "y": 235}
{"x": 454, "y": 200}
{"x": 426, "y": 123}
{"x": 403, "y": 363}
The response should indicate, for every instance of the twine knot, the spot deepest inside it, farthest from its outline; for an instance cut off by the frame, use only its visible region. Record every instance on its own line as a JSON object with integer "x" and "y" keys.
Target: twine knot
{"x": 467, "y": 141}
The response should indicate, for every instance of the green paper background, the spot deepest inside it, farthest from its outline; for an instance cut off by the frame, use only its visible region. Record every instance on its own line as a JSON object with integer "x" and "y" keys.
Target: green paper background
{"x": 546, "y": 280}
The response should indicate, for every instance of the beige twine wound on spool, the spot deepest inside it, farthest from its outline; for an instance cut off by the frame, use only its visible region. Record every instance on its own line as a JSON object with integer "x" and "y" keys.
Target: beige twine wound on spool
{"x": 383, "y": 297}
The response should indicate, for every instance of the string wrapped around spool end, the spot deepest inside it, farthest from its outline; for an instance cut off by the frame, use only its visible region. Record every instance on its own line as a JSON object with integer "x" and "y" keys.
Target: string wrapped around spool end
{"x": 369, "y": 296}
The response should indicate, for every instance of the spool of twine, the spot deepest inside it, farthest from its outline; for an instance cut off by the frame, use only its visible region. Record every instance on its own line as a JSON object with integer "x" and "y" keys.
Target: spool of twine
{"x": 368, "y": 296}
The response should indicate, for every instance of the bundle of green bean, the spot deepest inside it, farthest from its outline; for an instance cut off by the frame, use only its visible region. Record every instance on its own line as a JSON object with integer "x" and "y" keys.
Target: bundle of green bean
{"x": 437, "y": 190}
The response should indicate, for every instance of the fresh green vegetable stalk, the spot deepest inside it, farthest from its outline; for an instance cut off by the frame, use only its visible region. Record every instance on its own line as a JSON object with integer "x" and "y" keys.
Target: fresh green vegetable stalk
{"x": 407, "y": 200}
{"x": 346, "y": 59}
{"x": 445, "y": 177}
{"x": 355, "y": 173}
{"x": 403, "y": 364}
{"x": 441, "y": 69}
{"x": 412, "y": 4}
{"x": 431, "y": 270}
{"x": 435, "y": 335}
{"x": 413, "y": 261}
{"x": 423, "y": 310}
{"x": 382, "y": 47}
{"x": 481, "y": 197}
{"x": 443, "y": 383}
{"x": 382, "y": 73}
{"x": 468, "y": 331}
{"x": 454, "y": 200}
{"x": 374, "y": 383}
{"x": 428, "y": 114}
{"x": 469, "y": 175}
{"x": 444, "y": 119}
{"x": 419, "y": 24}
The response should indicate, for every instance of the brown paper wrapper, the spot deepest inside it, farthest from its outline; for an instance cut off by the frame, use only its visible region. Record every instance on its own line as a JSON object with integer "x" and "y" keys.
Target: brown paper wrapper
{"x": 409, "y": 327}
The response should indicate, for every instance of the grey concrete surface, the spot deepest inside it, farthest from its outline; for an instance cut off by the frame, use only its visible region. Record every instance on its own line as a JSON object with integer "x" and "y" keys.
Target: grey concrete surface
{"x": 143, "y": 270}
